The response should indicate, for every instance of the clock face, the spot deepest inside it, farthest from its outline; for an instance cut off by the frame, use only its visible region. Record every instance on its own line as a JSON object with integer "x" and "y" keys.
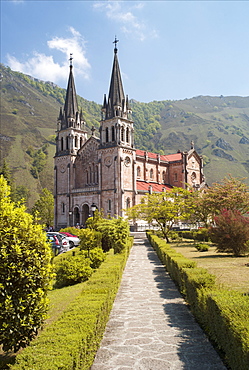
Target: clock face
{"x": 62, "y": 168}
{"x": 127, "y": 161}
{"x": 108, "y": 161}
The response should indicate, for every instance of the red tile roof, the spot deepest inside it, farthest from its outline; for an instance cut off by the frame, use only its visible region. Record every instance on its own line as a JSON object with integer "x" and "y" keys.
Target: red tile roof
{"x": 145, "y": 186}
{"x": 172, "y": 157}
{"x": 168, "y": 158}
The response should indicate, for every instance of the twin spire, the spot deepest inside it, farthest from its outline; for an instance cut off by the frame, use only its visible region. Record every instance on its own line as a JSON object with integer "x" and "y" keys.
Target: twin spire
{"x": 70, "y": 116}
{"x": 116, "y": 105}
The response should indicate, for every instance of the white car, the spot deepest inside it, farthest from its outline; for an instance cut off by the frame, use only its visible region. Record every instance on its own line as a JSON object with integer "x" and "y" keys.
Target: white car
{"x": 74, "y": 241}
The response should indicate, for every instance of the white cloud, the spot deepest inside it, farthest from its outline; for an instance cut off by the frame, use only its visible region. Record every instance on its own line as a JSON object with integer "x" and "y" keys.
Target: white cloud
{"x": 122, "y": 12}
{"x": 45, "y": 68}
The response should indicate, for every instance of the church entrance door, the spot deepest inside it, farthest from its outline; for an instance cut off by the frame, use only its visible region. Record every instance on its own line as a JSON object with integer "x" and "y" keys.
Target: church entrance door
{"x": 85, "y": 213}
{"x": 76, "y": 216}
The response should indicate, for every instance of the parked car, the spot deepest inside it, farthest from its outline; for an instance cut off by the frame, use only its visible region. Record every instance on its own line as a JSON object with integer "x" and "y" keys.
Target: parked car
{"x": 73, "y": 239}
{"x": 64, "y": 242}
{"x": 55, "y": 244}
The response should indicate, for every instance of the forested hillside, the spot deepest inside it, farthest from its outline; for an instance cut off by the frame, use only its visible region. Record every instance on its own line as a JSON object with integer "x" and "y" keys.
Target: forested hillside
{"x": 219, "y": 127}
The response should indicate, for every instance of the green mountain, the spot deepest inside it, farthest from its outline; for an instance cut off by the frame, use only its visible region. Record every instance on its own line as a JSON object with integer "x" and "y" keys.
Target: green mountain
{"x": 29, "y": 112}
{"x": 218, "y": 126}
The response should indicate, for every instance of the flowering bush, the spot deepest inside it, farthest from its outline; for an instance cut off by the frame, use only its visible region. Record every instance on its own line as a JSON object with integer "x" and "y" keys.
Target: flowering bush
{"x": 231, "y": 232}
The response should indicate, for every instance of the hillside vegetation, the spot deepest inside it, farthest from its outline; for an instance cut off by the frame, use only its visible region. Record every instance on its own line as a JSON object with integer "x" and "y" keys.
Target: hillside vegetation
{"x": 219, "y": 127}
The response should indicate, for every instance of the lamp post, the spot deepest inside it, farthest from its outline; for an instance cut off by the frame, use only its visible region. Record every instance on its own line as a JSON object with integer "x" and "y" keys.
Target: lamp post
{"x": 70, "y": 217}
{"x": 93, "y": 208}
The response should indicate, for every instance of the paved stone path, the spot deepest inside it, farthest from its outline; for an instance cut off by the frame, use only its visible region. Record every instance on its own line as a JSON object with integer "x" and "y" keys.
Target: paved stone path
{"x": 150, "y": 326}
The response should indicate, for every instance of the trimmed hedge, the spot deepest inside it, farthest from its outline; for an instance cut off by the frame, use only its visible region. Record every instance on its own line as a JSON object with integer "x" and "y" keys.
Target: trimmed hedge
{"x": 71, "y": 342}
{"x": 202, "y": 235}
{"x": 223, "y": 314}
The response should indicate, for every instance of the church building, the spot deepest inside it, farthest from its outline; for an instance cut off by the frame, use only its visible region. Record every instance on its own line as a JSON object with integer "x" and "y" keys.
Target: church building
{"x": 107, "y": 172}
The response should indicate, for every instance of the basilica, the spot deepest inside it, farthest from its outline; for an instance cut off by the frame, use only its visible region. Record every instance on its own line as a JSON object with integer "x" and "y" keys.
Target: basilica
{"x": 107, "y": 172}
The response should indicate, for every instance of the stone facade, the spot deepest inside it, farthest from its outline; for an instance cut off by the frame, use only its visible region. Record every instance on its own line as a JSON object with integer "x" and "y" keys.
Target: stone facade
{"x": 108, "y": 171}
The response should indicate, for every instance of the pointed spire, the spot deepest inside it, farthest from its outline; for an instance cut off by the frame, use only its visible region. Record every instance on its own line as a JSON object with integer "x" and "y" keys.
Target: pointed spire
{"x": 71, "y": 105}
{"x": 116, "y": 96}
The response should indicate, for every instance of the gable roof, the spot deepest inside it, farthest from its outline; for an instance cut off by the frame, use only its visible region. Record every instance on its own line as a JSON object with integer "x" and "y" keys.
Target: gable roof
{"x": 167, "y": 158}
{"x": 157, "y": 188}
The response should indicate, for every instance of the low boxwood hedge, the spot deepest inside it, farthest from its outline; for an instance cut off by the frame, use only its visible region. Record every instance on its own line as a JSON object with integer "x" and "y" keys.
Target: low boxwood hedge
{"x": 223, "y": 314}
{"x": 71, "y": 341}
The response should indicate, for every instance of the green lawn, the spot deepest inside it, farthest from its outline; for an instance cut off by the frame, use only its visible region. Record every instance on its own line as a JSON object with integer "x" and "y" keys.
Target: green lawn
{"x": 231, "y": 272}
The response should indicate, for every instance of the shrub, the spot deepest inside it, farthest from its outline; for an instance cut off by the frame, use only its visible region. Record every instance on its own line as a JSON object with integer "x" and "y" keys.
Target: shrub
{"x": 72, "y": 270}
{"x": 201, "y": 235}
{"x": 97, "y": 256}
{"x": 89, "y": 239}
{"x": 173, "y": 235}
{"x": 231, "y": 232}
{"x": 201, "y": 247}
{"x": 186, "y": 234}
{"x": 71, "y": 230}
{"x": 25, "y": 273}
{"x": 115, "y": 233}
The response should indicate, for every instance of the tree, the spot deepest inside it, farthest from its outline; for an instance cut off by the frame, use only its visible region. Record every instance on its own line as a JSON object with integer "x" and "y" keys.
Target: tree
{"x": 164, "y": 209}
{"x": 200, "y": 210}
{"x": 114, "y": 232}
{"x": 5, "y": 171}
{"x": 44, "y": 207}
{"x": 231, "y": 194}
{"x": 89, "y": 239}
{"x": 25, "y": 273}
{"x": 231, "y": 232}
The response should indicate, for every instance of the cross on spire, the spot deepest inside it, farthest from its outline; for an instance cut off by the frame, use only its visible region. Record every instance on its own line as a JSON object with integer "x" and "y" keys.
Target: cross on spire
{"x": 71, "y": 59}
{"x": 93, "y": 129}
{"x": 115, "y": 42}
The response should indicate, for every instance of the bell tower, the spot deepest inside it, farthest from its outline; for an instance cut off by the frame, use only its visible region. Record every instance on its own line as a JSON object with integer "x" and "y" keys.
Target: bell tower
{"x": 117, "y": 145}
{"x": 71, "y": 136}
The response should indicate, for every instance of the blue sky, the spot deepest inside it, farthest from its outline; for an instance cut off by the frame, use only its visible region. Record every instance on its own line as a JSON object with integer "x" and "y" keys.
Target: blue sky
{"x": 167, "y": 49}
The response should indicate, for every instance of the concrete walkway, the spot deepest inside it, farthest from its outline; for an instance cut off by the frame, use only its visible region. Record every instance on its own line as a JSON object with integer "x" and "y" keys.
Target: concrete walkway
{"x": 150, "y": 326}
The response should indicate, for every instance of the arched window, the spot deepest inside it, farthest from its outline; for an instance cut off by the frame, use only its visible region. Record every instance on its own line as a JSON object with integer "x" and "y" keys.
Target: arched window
{"x": 106, "y": 135}
{"x": 127, "y": 135}
{"x": 113, "y": 133}
{"x": 193, "y": 177}
{"x": 128, "y": 203}
{"x": 175, "y": 176}
{"x": 96, "y": 175}
{"x": 76, "y": 141}
{"x": 122, "y": 134}
{"x": 138, "y": 171}
{"x": 67, "y": 143}
{"x": 90, "y": 177}
{"x": 81, "y": 142}
{"x": 85, "y": 213}
{"x": 151, "y": 174}
{"x": 62, "y": 208}
{"x": 87, "y": 177}
{"x": 164, "y": 176}
{"x": 62, "y": 146}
